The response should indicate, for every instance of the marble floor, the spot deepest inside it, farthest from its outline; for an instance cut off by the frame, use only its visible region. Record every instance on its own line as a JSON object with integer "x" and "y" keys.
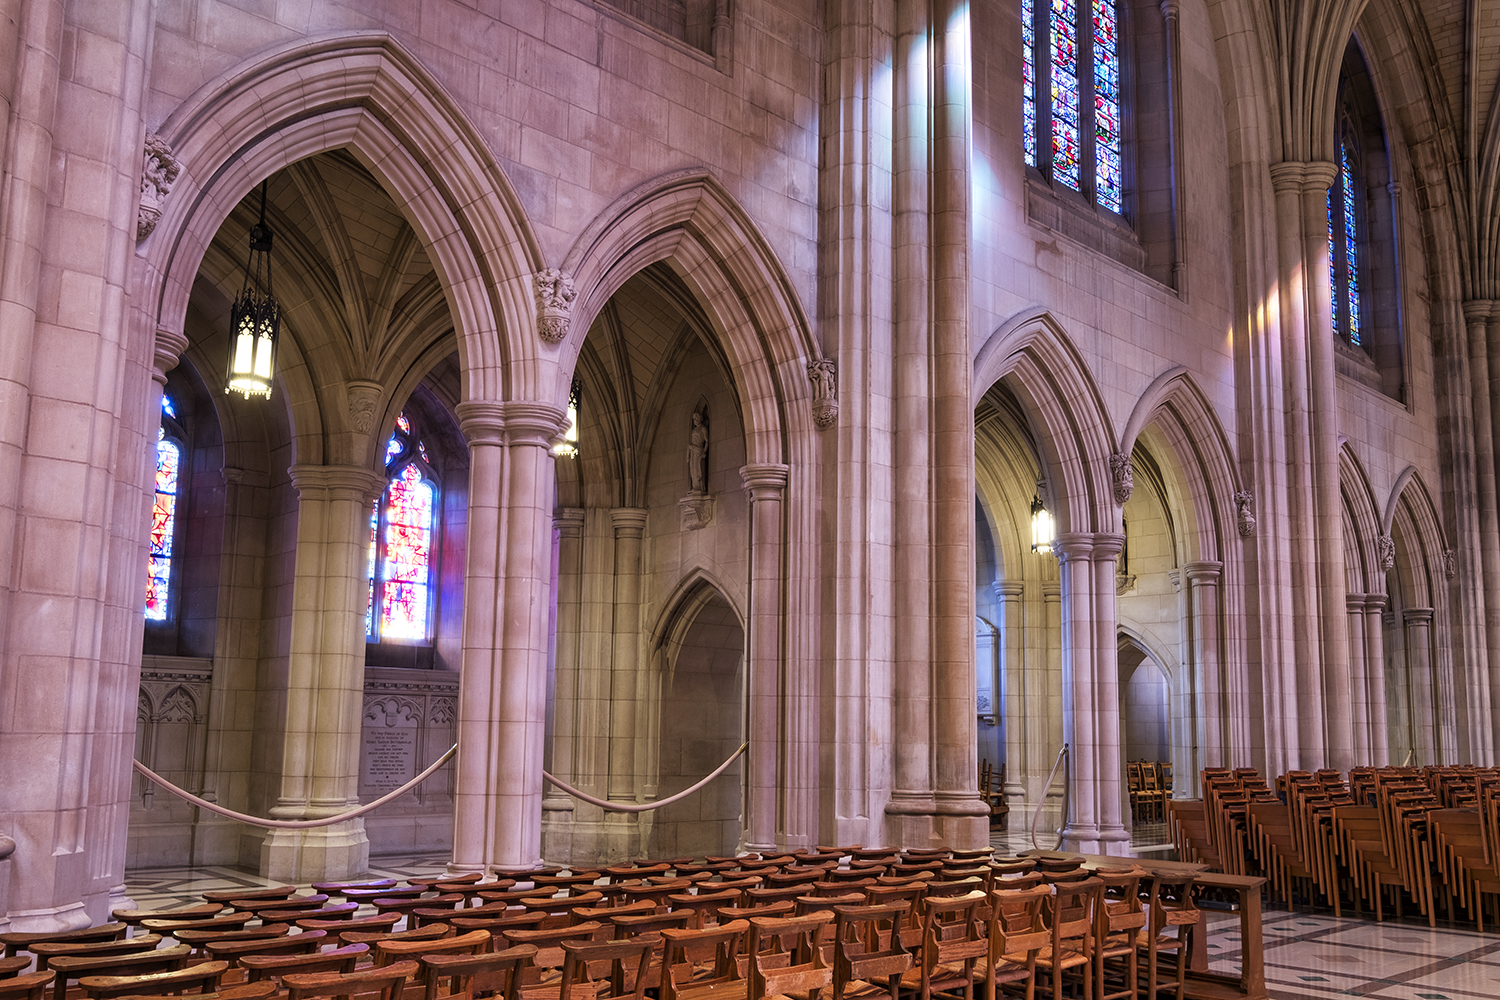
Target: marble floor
{"x": 1307, "y": 955}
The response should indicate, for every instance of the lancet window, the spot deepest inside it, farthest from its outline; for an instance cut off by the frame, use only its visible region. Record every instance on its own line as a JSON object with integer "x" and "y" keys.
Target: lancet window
{"x": 165, "y": 522}
{"x": 403, "y": 529}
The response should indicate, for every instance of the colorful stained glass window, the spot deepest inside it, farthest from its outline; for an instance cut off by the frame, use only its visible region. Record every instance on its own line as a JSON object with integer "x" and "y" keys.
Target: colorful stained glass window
{"x": 163, "y": 526}
{"x": 166, "y": 405}
{"x": 1070, "y": 94}
{"x": 402, "y": 529}
{"x": 1107, "y": 173}
{"x": 1344, "y": 248}
{"x": 1066, "y": 137}
{"x": 1028, "y": 78}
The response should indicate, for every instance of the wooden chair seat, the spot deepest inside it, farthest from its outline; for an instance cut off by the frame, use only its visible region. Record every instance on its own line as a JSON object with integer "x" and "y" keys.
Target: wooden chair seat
{"x": 274, "y": 967}
{"x": 200, "y": 938}
{"x": 29, "y": 987}
{"x": 548, "y": 944}
{"x": 335, "y": 911}
{"x": 338, "y": 888}
{"x": 12, "y": 966}
{"x": 496, "y": 972}
{"x": 427, "y": 932}
{"x": 198, "y": 912}
{"x": 388, "y": 982}
{"x": 703, "y": 963}
{"x": 23, "y": 940}
{"x": 383, "y": 922}
{"x": 69, "y": 967}
{"x": 270, "y": 892}
{"x": 293, "y": 944}
{"x": 47, "y": 950}
{"x": 205, "y": 976}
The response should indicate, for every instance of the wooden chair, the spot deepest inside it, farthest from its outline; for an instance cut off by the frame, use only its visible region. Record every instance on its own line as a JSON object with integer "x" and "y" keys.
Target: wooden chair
{"x": 1017, "y": 936}
{"x": 293, "y": 944}
{"x": 23, "y": 940}
{"x": 427, "y": 932}
{"x": 199, "y": 912}
{"x": 703, "y": 964}
{"x": 1069, "y": 918}
{"x": 384, "y": 921}
{"x": 335, "y": 911}
{"x": 955, "y": 947}
{"x": 559, "y": 909}
{"x": 270, "y": 892}
{"x": 392, "y": 952}
{"x": 1173, "y": 915}
{"x": 497, "y": 973}
{"x": 28, "y": 987}
{"x": 595, "y": 970}
{"x": 647, "y": 928}
{"x": 338, "y": 888}
{"x": 10, "y": 967}
{"x": 546, "y": 964}
{"x": 309, "y": 902}
{"x": 233, "y": 922}
{"x": 1120, "y": 918}
{"x": 275, "y": 967}
{"x": 200, "y": 939}
{"x": 71, "y": 967}
{"x": 785, "y": 957}
{"x": 388, "y": 981}
{"x": 205, "y": 976}
{"x": 868, "y": 951}
{"x": 704, "y": 905}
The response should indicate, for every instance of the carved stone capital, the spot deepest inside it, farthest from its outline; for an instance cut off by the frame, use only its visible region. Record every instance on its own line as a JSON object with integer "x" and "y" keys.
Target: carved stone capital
{"x": 554, "y": 300}
{"x": 159, "y": 170}
{"x": 168, "y": 350}
{"x": 1385, "y": 549}
{"x": 1124, "y": 478}
{"x": 696, "y": 510}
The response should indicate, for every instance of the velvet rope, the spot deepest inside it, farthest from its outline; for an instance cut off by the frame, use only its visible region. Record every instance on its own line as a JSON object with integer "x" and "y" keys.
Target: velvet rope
{"x": 1036, "y": 814}
{"x": 295, "y": 824}
{"x": 646, "y": 806}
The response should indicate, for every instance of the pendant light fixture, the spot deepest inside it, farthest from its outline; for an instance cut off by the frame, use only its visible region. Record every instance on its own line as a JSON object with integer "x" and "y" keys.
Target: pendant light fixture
{"x": 1041, "y": 525}
{"x": 255, "y": 318}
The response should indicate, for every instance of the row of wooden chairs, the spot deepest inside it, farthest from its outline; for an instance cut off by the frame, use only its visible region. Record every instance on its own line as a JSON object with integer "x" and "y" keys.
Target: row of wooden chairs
{"x": 935, "y": 930}
{"x": 992, "y": 792}
{"x": 1150, "y": 786}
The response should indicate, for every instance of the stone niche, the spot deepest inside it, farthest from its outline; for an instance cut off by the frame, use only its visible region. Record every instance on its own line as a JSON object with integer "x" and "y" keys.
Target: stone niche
{"x": 409, "y": 719}
{"x": 170, "y": 733}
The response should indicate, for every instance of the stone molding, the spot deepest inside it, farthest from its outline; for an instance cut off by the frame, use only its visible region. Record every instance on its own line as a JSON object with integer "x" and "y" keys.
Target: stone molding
{"x": 1417, "y": 616}
{"x": 336, "y": 482}
{"x": 1479, "y": 310}
{"x": 568, "y": 520}
{"x": 628, "y": 522}
{"x": 167, "y": 352}
{"x": 535, "y": 424}
{"x": 1204, "y": 572}
{"x": 481, "y": 421}
{"x": 765, "y": 480}
{"x": 1309, "y": 177}
{"x": 404, "y": 679}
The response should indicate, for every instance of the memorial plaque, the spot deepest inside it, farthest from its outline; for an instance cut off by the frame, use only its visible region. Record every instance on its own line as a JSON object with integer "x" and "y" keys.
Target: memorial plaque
{"x": 389, "y": 759}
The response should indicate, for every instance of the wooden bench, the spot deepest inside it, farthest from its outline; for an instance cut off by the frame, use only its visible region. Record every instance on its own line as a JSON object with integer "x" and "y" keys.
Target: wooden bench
{"x": 291, "y": 944}
{"x": 29, "y": 987}
{"x": 47, "y": 950}
{"x": 69, "y": 967}
{"x": 23, "y": 940}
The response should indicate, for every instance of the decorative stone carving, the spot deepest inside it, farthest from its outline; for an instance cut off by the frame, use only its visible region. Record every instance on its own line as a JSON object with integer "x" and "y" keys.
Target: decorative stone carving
{"x": 1124, "y": 478}
{"x": 554, "y": 299}
{"x": 158, "y": 174}
{"x": 178, "y": 707}
{"x": 824, "y": 375}
{"x": 697, "y": 510}
{"x": 1450, "y": 563}
{"x": 444, "y": 712}
{"x": 1385, "y": 548}
{"x": 364, "y": 397}
{"x": 393, "y": 711}
{"x": 1244, "y": 500}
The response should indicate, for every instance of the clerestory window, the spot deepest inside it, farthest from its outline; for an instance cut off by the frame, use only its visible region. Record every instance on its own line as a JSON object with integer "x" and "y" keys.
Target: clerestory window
{"x": 403, "y": 530}
{"x": 171, "y": 449}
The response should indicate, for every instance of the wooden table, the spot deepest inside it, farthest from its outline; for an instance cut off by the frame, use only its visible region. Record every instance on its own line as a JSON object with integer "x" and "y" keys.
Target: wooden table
{"x": 1202, "y": 984}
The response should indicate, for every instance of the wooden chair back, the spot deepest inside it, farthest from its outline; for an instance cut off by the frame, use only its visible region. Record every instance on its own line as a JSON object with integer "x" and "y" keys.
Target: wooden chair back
{"x": 703, "y": 964}
{"x": 387, "y": 982}
{"x": 274, "y": 967}
{"x": 205, "y": 976}
{"x": 496, "y": 973}
{"x": 785, "y": 956}
{"x": 868, "y": 946}
{"x": 955, "y": 944}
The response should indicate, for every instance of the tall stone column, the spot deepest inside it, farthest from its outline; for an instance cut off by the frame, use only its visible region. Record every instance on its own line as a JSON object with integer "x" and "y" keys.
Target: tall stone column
{"x": 1207, "y": 663}
{"x": 1482, "y": 318}
{"x": 557, "y": 806}
{"x": 1109, "y": 766}
{"x": 1418, "y": 622}
{"x": 325, "y": 677}
{"x": 1013, "y": 693}
{"x": 1359, "y": 676}
{"x": 1374, "y": 659}
{"x": 763, "y": 655}
{"x": 626, "y": 759}
{"x": 1081, "y": 693}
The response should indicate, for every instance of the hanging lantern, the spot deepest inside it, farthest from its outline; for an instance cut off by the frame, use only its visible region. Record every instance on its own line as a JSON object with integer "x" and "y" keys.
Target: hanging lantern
{"x": 567, "y": 446}
{"x": 255, "y": 318}
{"x": 1041, "y": 526}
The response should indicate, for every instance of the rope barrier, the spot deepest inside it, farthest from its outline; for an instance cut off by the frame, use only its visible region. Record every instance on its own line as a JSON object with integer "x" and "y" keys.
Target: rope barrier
{"x": 646, "y": 806}
{"x": 1036, "y": 814}
{"x": 294, "y": 824}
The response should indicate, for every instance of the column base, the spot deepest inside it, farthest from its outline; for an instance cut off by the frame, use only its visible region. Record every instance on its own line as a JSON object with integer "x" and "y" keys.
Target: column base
{"x": 329, "y": 853}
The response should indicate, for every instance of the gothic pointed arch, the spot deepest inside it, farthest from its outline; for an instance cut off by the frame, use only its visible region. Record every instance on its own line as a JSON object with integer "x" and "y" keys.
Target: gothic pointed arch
{"x": 1035, "y": 356}
{"x": 365, "y": 93}
{"x": 690, "y": 221}
{"x": 1363, "y": 527}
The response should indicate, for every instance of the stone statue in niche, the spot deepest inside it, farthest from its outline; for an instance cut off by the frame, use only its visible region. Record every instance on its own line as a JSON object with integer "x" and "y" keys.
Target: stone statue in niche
{"x": 698, "y": 506}
{"x": 697, "y": 455}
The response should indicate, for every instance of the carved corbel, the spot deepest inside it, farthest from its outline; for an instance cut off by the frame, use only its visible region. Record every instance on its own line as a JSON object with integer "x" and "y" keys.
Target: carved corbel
{"x": 1244, "y": 502}
{"x": 158, "y": 173}
{"x": 824, "y": 375}
{"x": 554, "y": 300}
{"x": 1124, "y": 478}
{"x": 1385, "y": 548}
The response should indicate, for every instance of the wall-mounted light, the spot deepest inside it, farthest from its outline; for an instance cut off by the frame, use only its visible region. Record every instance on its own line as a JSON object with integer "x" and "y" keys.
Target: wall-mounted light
{"x": 567, "y": 447}
{"x": 1041, "y": 525}
{"x": 255, "y": 318}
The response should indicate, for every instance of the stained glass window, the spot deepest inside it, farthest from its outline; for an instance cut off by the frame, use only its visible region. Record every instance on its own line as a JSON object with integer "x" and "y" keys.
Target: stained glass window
{"x": 1070, "y": 94}
{"x": 166, "y": 405}
{"x": 163, "y": 526}
{"x": 402, "y": 529}
{"x": 1345, "y": 245}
